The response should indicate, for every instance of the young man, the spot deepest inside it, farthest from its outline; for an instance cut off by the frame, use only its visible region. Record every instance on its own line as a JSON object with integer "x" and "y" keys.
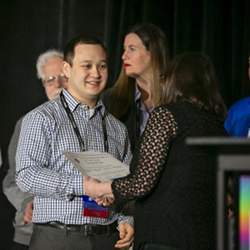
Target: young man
{"x": 50, "y": 71}
{"x": 77, "y": 121}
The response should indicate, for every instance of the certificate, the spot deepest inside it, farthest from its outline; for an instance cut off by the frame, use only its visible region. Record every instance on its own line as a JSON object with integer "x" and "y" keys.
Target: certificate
{"x": 100, "y": 165}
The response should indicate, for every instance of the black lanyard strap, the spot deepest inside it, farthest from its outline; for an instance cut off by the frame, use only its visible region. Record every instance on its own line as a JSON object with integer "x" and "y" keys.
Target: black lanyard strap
{"x": 72, "y": 120}
{"x": 105, "y": 133}
{"x": 76, "y": 130}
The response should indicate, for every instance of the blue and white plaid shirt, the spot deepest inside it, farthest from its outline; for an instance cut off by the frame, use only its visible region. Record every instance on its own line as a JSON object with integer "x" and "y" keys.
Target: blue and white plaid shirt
{"x": 42, "y": 168}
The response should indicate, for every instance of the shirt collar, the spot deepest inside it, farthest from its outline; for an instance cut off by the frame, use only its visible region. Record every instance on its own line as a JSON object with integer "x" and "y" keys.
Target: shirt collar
{"x": 139, "y": 102}
{"x": 137, "y": 93}
{"x": 73, "y": 103}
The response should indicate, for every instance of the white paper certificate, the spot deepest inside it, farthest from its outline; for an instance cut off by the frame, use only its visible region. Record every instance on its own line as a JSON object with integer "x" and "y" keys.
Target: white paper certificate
{"x": 102, "y": 166}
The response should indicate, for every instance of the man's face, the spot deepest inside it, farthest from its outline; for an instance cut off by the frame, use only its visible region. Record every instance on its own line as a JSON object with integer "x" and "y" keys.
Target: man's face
{"x": 87, "y": 76}
{"x": 54, "y": 80}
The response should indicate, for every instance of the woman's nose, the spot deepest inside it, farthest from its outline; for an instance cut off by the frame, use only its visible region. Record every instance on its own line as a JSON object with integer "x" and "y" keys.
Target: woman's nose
{"x": 124, "y": 55}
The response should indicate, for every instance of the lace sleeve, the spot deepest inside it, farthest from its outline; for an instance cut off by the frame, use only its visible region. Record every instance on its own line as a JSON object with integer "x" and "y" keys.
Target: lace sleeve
{"x": 161, "y": 127}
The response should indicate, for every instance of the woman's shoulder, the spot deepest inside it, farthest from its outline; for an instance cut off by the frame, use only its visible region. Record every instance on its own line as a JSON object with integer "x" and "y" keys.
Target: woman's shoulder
{"x": 168, "y": 107}
{"x": 161, "y": 108}
{"x": 162, "y": 112}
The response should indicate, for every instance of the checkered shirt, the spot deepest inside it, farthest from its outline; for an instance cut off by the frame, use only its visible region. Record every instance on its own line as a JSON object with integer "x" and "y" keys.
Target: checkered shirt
{"x": 42, "y": 168}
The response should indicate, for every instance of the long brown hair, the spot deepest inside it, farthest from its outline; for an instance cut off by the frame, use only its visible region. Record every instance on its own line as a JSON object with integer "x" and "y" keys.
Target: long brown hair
{"x": 155, "y": 41}
{"x": 192, "y": 76}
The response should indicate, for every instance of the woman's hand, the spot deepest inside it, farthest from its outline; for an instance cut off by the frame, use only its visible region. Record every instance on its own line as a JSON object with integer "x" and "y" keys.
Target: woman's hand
{"x": 106, "y": 200}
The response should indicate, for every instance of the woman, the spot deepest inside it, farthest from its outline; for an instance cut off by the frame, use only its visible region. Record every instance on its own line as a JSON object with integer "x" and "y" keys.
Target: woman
{"x": 145, "y": 61}
{"x": 173, "y": 184}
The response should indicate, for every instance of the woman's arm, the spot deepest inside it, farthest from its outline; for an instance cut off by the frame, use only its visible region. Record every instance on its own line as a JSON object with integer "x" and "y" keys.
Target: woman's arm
{"x": 147, "y": 163}
{"x": 150, "y": 159}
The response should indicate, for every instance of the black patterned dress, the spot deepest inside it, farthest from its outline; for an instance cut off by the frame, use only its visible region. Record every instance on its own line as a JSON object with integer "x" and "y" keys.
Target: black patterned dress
{"x": 174, "y": 184}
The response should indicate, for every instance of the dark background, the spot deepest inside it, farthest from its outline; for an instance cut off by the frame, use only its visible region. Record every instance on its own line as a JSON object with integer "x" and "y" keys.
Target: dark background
{"x": 219, "y": 28}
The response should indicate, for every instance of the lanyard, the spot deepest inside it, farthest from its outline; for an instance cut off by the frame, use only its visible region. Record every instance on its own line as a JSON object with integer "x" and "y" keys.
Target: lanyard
{"x": 76, "y": 130}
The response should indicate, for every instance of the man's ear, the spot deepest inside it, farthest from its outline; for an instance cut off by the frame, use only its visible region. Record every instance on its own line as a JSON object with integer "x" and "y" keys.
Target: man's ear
{"x": 66, "y": 69}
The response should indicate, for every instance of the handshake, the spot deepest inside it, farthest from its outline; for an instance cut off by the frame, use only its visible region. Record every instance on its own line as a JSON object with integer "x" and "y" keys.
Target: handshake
{"x": 102, "y": 167}
{"x": 99, "y": 191}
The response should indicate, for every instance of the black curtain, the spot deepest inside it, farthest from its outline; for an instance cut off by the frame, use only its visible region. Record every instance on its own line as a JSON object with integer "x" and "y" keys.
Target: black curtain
{"x": 28, "y": 28}
{"x": 219, "y": 28}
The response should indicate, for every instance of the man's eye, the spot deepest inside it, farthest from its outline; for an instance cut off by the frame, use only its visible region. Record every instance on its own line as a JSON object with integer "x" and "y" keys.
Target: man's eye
{"x": 50, "y": 79}
{"x": 103, "y": 66}
{"x": 87, "y": 66}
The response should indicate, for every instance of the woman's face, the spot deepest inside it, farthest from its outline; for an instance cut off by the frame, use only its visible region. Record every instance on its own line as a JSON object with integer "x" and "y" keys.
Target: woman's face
{"x": 136, "y": 58}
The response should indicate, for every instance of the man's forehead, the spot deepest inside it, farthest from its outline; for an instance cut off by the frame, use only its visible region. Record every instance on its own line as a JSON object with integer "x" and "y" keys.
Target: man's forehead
{"x": 53, "y": 67}
{"x": 89, "y": 50}
{"x": 54, "y": 59}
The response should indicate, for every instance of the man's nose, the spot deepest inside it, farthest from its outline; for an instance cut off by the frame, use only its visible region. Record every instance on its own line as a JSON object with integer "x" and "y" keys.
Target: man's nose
{"x": 57, "y": 83}
{"x": 95, "y": 71}
{"x": 62, "y": 81}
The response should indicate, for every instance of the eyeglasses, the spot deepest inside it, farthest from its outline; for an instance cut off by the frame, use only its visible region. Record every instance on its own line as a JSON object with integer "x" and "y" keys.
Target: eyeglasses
{"x": 51, "y": 80}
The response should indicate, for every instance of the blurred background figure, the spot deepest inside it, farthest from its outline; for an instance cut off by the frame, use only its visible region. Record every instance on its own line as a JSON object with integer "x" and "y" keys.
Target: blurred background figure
{"x": 49, "y": 70}
{"x": 144, "y": 63}
{"x": 145, "y": 60}
{"x": 238, "y": 118}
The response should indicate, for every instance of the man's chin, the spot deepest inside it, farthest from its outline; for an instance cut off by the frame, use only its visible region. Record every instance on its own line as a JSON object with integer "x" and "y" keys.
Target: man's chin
{"x": 54, "y": 96}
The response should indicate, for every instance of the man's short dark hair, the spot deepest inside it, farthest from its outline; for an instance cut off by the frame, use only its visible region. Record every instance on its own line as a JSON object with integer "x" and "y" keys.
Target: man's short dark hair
{"x": 69, "y": 50}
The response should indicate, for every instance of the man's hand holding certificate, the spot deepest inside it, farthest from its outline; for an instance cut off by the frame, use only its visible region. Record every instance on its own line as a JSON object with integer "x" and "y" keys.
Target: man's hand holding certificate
{"x": 100, "y": 165}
